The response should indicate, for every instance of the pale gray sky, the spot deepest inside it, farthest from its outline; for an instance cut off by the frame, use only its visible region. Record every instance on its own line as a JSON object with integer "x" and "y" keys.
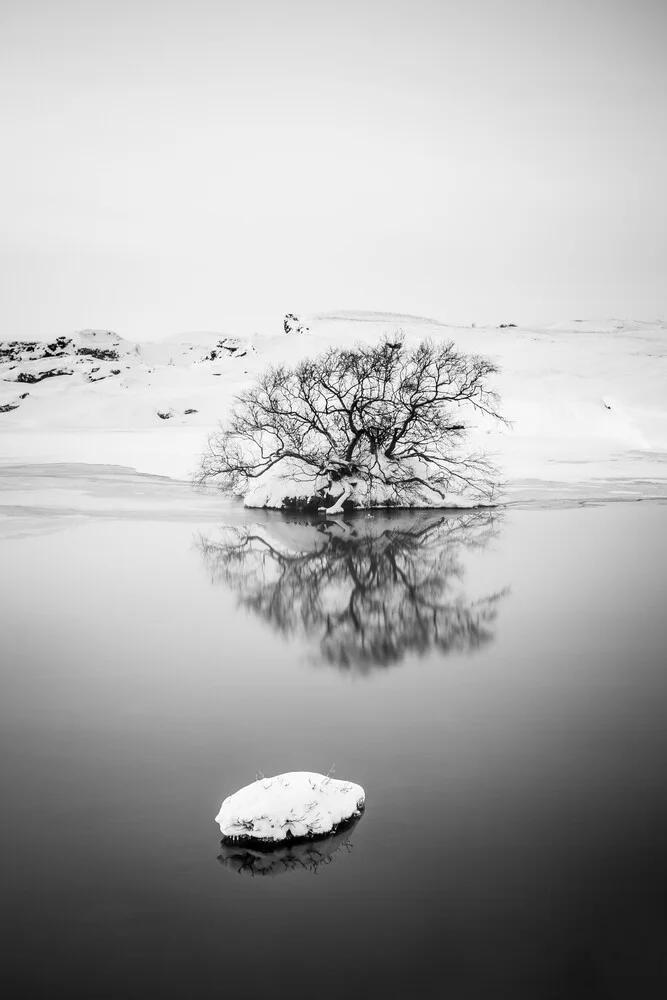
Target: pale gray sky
{"x": 191, "y": 164}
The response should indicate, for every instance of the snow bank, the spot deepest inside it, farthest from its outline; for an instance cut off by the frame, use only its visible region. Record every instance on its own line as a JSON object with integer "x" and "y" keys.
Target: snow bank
{"x": 587, "y": 401}
{"x": 296, "y": 804}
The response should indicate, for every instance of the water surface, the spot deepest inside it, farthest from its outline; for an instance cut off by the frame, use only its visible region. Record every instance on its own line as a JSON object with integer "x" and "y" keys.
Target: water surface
{"x": 496, "y": 683}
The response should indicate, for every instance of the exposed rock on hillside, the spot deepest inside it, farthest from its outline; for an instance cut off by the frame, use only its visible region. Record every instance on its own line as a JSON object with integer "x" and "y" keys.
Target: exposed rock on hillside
{"x": 228, "y": 347}
{"x": 32, "y": 377}
{"x": 293, "y": 325}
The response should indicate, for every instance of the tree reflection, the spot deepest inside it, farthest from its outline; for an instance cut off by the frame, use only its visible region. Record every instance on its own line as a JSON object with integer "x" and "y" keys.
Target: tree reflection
{"x": 368, "y": 590}
{"x": 288, "y": 856}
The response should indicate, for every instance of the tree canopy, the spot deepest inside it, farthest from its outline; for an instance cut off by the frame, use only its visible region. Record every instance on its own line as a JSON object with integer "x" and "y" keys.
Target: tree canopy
{"x": 378, "y": 424}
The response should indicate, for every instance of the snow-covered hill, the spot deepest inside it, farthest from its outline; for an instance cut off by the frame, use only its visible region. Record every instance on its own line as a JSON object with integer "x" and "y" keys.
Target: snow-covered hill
{"x": 587, "y": 400}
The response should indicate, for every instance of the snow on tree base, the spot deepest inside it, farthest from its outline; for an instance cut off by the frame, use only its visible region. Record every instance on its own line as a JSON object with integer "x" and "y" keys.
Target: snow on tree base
{"x": 297, "y": 804}
{"x": 288, "y": 485}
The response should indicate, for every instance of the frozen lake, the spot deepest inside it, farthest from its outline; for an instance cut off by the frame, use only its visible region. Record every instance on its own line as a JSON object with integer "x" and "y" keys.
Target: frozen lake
{"x": 496, "y": 683}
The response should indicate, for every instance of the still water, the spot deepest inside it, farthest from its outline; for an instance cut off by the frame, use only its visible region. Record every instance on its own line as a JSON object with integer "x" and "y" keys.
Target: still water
{"x": 497, "y": 683}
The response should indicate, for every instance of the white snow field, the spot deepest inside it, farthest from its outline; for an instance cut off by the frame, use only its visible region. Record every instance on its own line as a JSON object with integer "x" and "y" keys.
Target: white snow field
{"x": 587, "y": 400}
{"x": 296, "y": 804}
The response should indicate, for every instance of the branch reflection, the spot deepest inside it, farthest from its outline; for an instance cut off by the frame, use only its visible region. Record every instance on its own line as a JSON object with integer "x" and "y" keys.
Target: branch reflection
{"x": 368, "y": 591}
{"x": 288, "y": 856}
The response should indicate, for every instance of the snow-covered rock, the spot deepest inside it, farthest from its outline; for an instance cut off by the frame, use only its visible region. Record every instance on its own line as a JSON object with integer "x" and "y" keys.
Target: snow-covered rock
{"x": 297, "y": 804}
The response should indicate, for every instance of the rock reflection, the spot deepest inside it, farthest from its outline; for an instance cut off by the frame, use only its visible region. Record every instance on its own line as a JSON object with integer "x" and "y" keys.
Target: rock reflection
{"x": 368, "y": 590}
{"x": 289, "y": 856}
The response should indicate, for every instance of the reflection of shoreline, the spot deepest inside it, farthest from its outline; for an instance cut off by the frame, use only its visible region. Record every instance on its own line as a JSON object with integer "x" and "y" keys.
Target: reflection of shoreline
{"x": 253, "y": 858}
{"x": 369, "y": 591}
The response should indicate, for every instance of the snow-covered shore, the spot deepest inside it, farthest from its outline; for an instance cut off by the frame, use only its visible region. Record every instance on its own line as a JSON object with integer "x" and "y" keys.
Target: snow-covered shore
{"x": 587, "y": 401}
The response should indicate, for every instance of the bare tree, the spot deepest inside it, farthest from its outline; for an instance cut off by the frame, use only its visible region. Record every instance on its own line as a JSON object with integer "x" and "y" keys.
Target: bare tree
{"x": 382, "y": 424}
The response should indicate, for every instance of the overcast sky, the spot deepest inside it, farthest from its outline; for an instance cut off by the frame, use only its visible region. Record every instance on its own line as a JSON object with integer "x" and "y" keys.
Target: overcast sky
{"x": 212, "y": 164}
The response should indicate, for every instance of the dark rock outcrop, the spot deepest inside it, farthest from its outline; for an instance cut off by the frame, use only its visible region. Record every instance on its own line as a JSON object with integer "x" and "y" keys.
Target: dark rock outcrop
{"x": 293, "y": 325}
{"x": 32, "y": 377}
{"x": 99, "y": 353}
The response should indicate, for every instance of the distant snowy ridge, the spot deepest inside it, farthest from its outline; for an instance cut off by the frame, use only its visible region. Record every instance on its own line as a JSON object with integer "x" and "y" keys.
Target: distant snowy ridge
{"x": 607, "y": 326}
{"x": 369, "y": 316}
